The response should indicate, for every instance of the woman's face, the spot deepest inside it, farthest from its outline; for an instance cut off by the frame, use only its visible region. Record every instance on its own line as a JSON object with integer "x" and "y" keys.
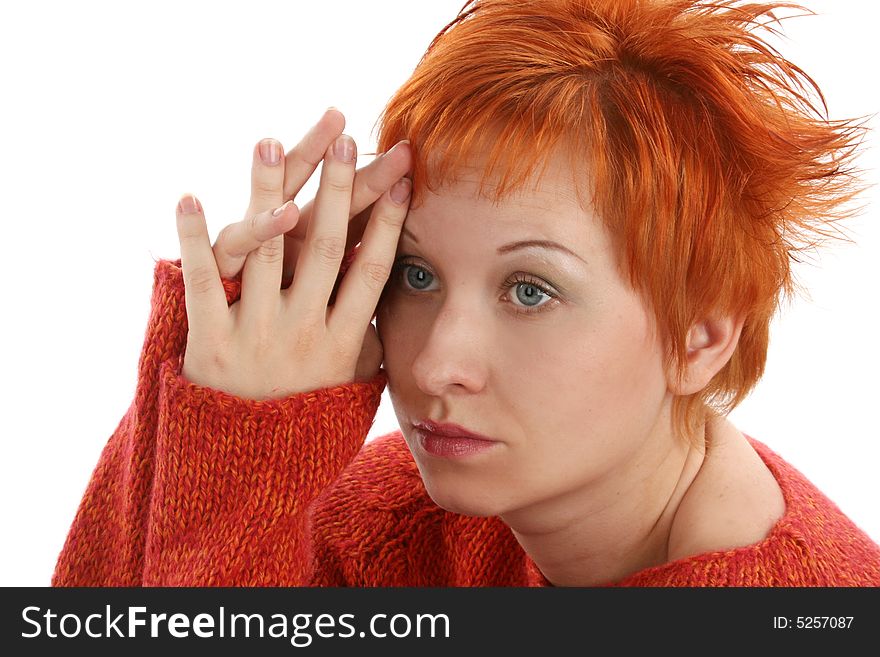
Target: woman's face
{"x": 550, "y": 353}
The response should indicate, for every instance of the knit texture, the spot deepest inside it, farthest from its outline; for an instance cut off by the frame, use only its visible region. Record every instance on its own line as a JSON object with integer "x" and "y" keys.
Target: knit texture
{"x": 197, "y": 487}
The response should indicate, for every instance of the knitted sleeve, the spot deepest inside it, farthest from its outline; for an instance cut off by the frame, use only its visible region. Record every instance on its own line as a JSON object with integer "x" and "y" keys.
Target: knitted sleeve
{"x": 197, "y": 487}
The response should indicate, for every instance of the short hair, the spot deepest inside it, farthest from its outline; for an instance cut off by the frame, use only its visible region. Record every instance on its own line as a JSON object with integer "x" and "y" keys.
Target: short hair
{"x": 711, "y": 166}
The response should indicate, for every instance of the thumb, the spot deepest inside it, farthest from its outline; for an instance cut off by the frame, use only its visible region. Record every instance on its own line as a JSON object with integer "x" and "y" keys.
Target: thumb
{"x": 370, "y": 359}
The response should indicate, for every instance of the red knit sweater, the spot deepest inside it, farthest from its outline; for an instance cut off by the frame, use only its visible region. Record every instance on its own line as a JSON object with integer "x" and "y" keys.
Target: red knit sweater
{"x": 197, "y": 487}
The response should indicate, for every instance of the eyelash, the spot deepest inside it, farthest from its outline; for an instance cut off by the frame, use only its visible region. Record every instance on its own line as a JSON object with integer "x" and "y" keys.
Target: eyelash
{"x": 517, "y": 279}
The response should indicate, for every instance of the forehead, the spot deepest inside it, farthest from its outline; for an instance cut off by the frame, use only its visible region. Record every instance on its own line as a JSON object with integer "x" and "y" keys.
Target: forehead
{"x": 548, "y": 201}
{"x": 553, "y": 176}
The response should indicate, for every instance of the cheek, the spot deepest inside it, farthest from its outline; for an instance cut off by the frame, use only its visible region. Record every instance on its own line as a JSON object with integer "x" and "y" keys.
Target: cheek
{"x": 601, "y": 376}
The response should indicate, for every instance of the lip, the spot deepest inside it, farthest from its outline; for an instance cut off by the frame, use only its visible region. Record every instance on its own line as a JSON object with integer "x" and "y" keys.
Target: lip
{"x": 450, "y": 440}
{"x": 450, "y": 430}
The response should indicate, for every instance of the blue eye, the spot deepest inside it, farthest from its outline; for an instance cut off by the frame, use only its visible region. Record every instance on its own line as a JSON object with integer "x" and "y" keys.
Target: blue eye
{"x": 415, "y": 278}
{"x": 528, "y": 292}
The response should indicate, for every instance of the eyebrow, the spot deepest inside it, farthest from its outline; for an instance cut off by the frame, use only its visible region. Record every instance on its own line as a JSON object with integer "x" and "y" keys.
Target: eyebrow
{"x": 522, "y": 244}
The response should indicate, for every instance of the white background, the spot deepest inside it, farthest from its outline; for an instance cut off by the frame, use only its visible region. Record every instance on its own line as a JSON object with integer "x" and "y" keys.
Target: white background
{"x": 111, "y": 111}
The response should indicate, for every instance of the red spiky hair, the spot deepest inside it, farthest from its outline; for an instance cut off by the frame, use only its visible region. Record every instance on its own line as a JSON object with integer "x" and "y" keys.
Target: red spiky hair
{"x": 708, "y": 161}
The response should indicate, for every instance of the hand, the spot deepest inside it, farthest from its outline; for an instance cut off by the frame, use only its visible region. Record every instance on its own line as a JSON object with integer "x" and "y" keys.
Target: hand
{"x": 277, "y": 342}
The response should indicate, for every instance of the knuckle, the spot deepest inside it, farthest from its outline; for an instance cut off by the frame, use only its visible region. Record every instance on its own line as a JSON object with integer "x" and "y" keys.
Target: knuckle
{"x": 201, "y": 279}
{"x": 344, "y": 351}
{"x": 299, "y": 156}
{"x": 225, "y": 238}
{"x": 347, "y": 341}
{"x": 329, "y": 247}
{"x": 222, "y": 236}
{"x": 259, "y": 337}
{"x": 374, "y": 187}
{"x": 230, "y": 242}
{"x": 375, "y": 274}
{"x": 390, "y": 219}
{"x": 338, "y": 186}
{"x": 262, "y": 339}
{"x": 306, "y": 340}
{"x": 190, "y": 234}
{"x": 220, "y": 362}
{"x": 264, "y": 187}
{"x": 269, "y": 252}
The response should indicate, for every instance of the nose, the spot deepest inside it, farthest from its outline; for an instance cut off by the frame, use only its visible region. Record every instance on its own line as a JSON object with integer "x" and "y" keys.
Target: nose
{"x": 454, "y": 356}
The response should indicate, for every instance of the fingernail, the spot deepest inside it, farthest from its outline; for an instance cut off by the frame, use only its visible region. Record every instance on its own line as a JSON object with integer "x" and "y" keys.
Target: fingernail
{"x": 343, "y": 148}
{"x": 332, "y": 108}
{"x": 400, "y": 190}
{"x": 279, "y": 210}
{"x": 189, "y": 205}
{"x": 395, "y": 147}
{"x": 270, "y": 153}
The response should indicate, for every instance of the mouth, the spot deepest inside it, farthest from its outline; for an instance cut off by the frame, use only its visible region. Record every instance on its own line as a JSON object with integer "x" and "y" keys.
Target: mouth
{"x": 451, "y": 440}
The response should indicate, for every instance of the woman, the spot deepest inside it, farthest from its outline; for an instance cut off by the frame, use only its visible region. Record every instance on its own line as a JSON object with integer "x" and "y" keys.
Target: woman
{"x": 606, "y": 197}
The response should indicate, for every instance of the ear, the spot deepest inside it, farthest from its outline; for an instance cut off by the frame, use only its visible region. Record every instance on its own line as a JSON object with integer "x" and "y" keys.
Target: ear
{"x": 710, "y": 344}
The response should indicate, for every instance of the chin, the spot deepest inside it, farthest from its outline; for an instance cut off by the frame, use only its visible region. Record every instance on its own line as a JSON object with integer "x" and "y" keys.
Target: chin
{"x": 457, "y": 490}
{"x": 457, "y": 499}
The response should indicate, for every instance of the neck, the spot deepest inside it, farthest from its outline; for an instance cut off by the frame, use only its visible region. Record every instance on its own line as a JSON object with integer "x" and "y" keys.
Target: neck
{"x": 613, "y": 527}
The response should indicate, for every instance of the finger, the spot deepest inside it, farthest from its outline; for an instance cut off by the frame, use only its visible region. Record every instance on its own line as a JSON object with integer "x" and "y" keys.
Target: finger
{"x": 206, "y": 303}
{"x": 267, "y": 177}
{"x": 322, "y": 252}
{"x": 370, "y": 182}
{"x": 302, "y": 160}
{"x": 261, "y": 276}
{"x": 371, "y": 186}
{"x": 237, "y": 240}
{"x": 363, "y": 283}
